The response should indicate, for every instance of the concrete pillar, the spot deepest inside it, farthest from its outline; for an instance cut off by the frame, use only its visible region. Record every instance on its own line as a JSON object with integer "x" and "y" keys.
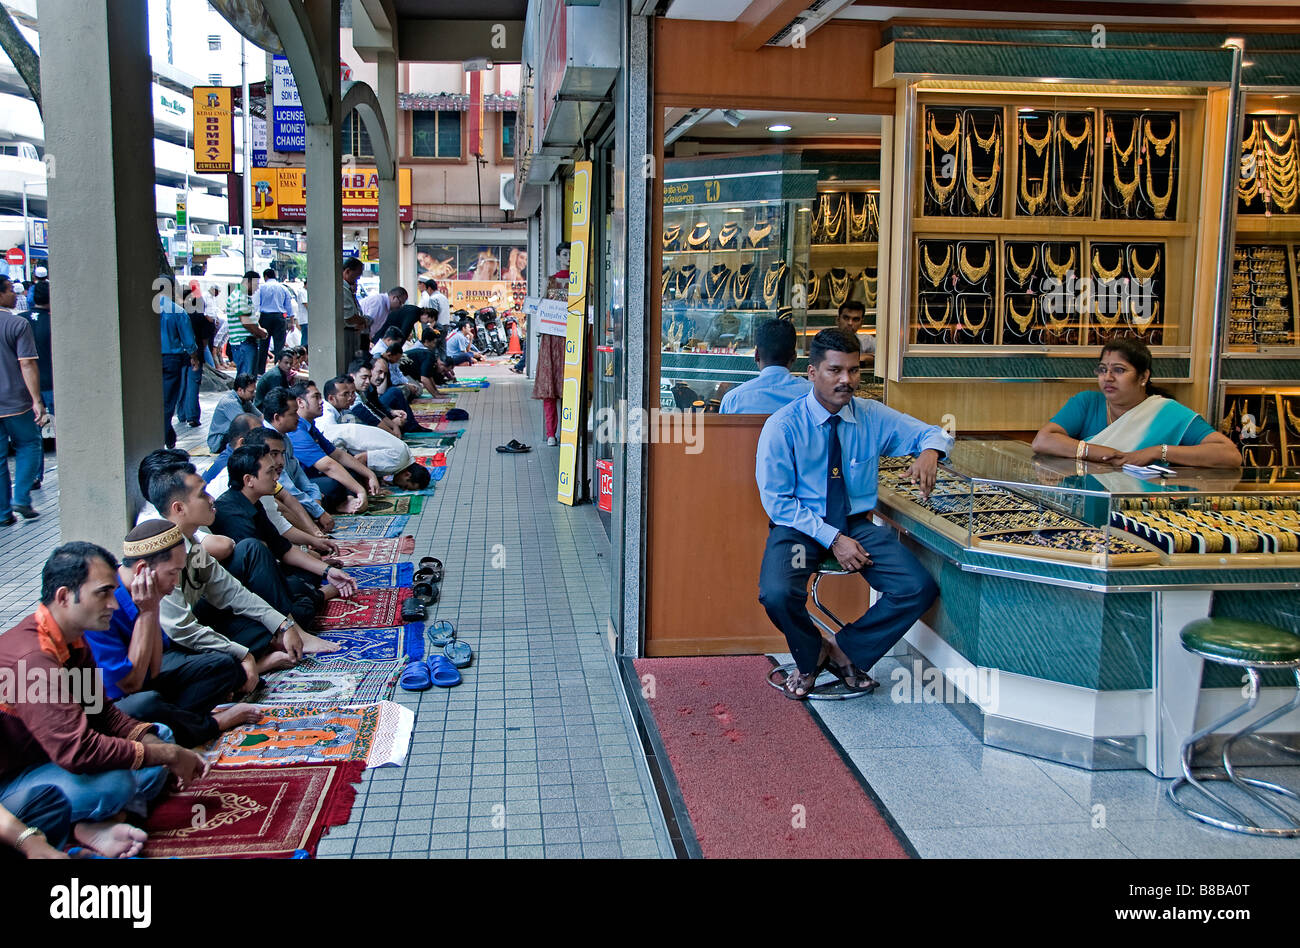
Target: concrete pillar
{"x": 328, "y": 356}
{"x": 390, "y": 225}
{"x": 95, "y": 81}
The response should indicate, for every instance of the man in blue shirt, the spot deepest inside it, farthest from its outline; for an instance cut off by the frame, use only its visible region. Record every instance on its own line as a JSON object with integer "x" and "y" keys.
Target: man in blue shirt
{"x": 238, "y": 401}
{"x": 145, "y": 673}
{"x": 460, "y": 348}
{"x": 274, "y": 306}
{"x": 775, "y": 387}
{"x": 281, "y": 414}
{"x": 318, "y": 453}
{"x": 178, "y": 349}
{"x": 817, "y": 478}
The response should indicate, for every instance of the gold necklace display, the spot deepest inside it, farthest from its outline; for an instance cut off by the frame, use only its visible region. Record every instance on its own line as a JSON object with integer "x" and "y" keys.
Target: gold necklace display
{"x": 1033, "y": 202}
{"x": 942, "y": 192}
{"x": 1160, "y": 202}
{"x": 1022, "y": 274}
{"x": 1072, "y": 201}
{"x": 831, "y": 222}
{"x": 1142, "y": 324}
{"x": 772, "y": 282}
{"x": 814, "y": 285}
{"x": 1159, "y": 144}
{"x": 1279, "y": 140}
{"x": 936, "y": 271}
{"x": 981, "y": 191}
{"x": 973, "y": 328}
{"x": 1121, "y": 157}
{"x": 1057, "y": 270}
{"x": 727, "y": 234}
{"x": 930, "y": 324}
{"x": 1143, "y": 273}
{"x": 868, "y": 289}
{"x": 1076, "y": 141}
{"x": 947, "y": 141}
{"x": 1097, "y": 268}
{"x": 1291, "y": 418}
{"x": 758, "y": 234}
{"x": 697, "y": 240}
{"x": 1037, "y": 144}
{"x": 972, "y": 274}
{"x": 1281, "y": 169}
{"x": 858, "y": 225}
{"x": 1022, "y": 323}
{"x": 740, "y": 283}
{"x": 839, "y": 285}
{"x": 672, "y": 235}
{"x": 716, "y": 280}
{"x": 1052, "y": 323}
{"x": 986, "y": 143}
{"x": 667, "y": 278}
{"x": 1106, "y": 320}
{"x": 1125, "y": 153}
{"x": 684, "y": 279}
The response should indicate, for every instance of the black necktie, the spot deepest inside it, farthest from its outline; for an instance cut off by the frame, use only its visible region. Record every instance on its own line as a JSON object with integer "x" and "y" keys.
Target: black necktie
{"x": 837, "y": 495}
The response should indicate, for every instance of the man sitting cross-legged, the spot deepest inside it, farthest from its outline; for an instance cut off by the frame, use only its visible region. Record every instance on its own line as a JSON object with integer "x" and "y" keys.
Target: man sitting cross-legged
{"x": 337, "y": 488}
{"x": 366, "y": 406}
{"x": 148, "y": 676}
{"x": 315, "y": 451}
{"x": 66, "y": 736}
{"x": 278, "y": 376}
{"x": 237, "y": 401}
{"x": 210, "y": 610}
{"x": 294, "y": 574}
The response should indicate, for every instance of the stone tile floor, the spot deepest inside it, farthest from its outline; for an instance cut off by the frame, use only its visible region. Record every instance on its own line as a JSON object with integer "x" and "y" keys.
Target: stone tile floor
{"x": 534, "y": 754}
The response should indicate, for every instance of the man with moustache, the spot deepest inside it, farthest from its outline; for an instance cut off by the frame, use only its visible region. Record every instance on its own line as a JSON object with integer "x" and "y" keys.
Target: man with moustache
{"x": 817, "y": 470}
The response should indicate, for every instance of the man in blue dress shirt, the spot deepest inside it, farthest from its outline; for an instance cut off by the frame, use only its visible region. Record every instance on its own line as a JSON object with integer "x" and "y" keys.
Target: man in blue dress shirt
{"x": 817, "y": 477}
{"x": 274, "y": 306}
{"x": 178, "y": 348}
{"x": 775, "y": 387}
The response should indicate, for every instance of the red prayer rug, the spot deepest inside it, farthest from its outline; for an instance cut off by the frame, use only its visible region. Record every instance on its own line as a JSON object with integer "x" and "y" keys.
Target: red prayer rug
{"x": 255, "y": 812}
{"x": 366, "y": 552}
{"x": 367, "y": 609}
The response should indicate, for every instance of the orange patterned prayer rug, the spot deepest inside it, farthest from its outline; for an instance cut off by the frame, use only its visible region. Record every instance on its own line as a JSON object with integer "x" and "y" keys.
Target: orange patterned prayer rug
{"x": 367, "y": 609}
{"x": 366, "y": 552}
{"x": 378, "y": 734}
{"x": 264, "y": 813}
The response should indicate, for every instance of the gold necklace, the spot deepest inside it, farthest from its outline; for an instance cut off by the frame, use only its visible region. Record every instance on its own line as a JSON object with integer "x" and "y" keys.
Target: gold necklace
{"x": 671, "y": 235}
{"x": 1250, "y": 173}
{"x": 772, "y": 282}
{"x": 696, "y": 240}
{"x": 1022, "y": 273}
{"x": 1037, "y": 144}
{"x": 727, "y": 234}
{"x": 936, "y": 272}
{"x": 973, "y": 275}
{"x": 758, "y": 233}
{"x": 930, "y": 324}
{"x": 1106, "y": 275}
{"x": 1143, "y": 273}
{"x": 1032, "y": 202}
{"x": 1279, "y": 140}
{"x": 946, "y": 141}
{"x": 1075, "y": 140}
{"x": 1107, "y": 321}
{"x": 814, "y": 287}
{"x": 685, "y": 279}
{"x": 667, "y": 279}
{"x": 740, "y": 283}
{"x": 831, "y": 224}
{"x": 1159, "y": 144}
{"x": 986, "y": 143}
{"x": 1160, "y": 202}
{"x": 970, "y": 327}
{"x": 1142, "y": 326}
{"x": 839, "y": 286}
{"x": 1022, "y": 322}
{"x": 858, "y": 222}
{"x": 1053, "y": 324}
{"x": 941, "y": 191}
{"x": 1121, "y": 157}
{"x": 1057, "y": 270}
{"x": 981, "y": 191}
{"x": 868, "y": 290}
{"x": 1072, "y": 201}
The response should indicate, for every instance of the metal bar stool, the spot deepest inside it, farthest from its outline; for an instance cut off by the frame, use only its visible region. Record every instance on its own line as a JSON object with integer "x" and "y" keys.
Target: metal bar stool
{"x": 1254, "y": 647}
{"x": 825, "y": 690}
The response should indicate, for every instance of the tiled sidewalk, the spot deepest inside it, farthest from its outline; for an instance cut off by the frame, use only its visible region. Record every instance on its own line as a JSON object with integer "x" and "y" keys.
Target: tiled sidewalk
{"x": 535, "y": 753}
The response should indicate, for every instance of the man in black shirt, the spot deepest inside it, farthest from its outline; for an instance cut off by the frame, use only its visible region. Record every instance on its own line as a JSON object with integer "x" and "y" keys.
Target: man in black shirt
{"x": 279, "y": 376}
{"x": 403, "y": 319}
{"x": 240, "y": 516}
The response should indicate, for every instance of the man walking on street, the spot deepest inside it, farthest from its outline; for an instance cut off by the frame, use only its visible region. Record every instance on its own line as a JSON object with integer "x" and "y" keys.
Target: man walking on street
{"x": 241, "y": 325}
{"x": 178, "y": 349}
{"x": 274, "y": 305}
{"x": 21, "y": 408}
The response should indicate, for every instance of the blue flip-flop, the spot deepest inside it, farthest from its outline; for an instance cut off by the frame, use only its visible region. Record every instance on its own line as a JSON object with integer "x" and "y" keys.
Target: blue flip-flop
{"x": 442, "y": 633}
{"x": 459, "y": 654}
{"x": 443, "y": 672}
{"x": 416, "y": 677}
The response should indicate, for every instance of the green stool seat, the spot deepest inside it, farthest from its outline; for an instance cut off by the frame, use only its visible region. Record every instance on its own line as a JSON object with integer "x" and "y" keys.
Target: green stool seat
{"x": 1241, "y": 642}
{"x": 830, "y": 564}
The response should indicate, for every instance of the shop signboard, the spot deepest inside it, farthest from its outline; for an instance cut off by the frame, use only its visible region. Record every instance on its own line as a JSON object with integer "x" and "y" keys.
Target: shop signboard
{"x": 205, "y": 248}
{"x": 473, "y": 295}
{"x": 574, "y": 361}
{"x": 553, "y": 317}
{"x": 259, "y": 142}
{"x": 214, "y": 129}
{"x": 287, "y": 117}
{"x": 39, "y": 238}
{"x": 735, "y": 189}
{"x": 280, "y": 194}
{"x": 554, "y": 54}
{"x": 605, "y": 488}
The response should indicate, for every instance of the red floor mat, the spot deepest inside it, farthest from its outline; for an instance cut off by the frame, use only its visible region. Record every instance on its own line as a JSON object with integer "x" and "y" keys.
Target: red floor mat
{"x": 759, "y": 778}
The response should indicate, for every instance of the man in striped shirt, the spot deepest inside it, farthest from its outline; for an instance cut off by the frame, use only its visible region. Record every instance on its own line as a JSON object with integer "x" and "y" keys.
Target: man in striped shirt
{"x": 244, "y": 331}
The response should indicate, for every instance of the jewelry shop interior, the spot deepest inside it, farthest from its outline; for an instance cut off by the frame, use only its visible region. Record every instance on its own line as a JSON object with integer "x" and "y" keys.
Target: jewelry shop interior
{"x": 1002, "y": 201}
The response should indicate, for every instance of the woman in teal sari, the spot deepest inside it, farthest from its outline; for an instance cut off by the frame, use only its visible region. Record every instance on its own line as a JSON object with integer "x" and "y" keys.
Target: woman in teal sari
{"x": 1130, "y": 421}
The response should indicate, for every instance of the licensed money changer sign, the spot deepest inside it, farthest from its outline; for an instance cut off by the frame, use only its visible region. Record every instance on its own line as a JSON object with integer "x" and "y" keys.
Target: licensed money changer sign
{"x": 570, "y": 403}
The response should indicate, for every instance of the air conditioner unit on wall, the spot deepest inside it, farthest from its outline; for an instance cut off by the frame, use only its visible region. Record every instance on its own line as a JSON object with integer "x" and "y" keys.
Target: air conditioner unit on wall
{"x": 507, "y": 190}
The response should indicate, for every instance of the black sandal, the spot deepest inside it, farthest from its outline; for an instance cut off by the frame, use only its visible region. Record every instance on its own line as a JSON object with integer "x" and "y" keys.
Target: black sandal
{"x": 808, "y": 685}
{"x": 863, "y": 682}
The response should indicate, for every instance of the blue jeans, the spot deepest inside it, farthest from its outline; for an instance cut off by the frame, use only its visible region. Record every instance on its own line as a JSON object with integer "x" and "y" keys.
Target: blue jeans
{"x": 906, "y": 591}
{"x": 190, "y": 380}
{"x": 278, "y": 327}
{"x": 173, "y": 386}
{"x": 21, "y": 432}
{"x": 245, "y": 356}
{"x": 98, "y": 796}
{"x": 43, "y": 807}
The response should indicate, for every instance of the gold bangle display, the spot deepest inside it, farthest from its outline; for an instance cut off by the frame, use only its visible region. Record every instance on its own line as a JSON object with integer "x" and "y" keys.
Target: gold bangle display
{"x": 1022, "y": 274}
{"x": 1058, "y": 270}
{"x": 972, "y": 274}
{"x": 930, "y": 324}
{"x": 1022, "y": 323}
{"x": 936, "y": 272}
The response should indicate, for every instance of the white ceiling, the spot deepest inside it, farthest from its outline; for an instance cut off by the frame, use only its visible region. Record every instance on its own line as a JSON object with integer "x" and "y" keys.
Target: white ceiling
{"x": 803, "y": 125}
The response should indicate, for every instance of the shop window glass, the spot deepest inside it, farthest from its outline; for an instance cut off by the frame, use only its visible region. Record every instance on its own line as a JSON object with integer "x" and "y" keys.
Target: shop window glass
{"x": 435, "y": 134}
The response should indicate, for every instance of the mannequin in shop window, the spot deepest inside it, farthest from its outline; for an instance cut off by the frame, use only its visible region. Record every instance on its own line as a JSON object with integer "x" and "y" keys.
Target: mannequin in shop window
{"x": 549, "y": 383}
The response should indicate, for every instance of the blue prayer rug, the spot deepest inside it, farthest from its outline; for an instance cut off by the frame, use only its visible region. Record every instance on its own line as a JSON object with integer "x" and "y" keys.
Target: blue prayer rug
{"x": 373, "y": 645}
{"x": 369, "y": 528}
{"x": 383, "y": 574}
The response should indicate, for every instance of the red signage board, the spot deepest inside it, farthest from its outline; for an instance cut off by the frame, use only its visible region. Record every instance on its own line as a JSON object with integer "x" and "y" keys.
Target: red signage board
{"x": 15, "y": 257}
{"x": 605, "y": 492}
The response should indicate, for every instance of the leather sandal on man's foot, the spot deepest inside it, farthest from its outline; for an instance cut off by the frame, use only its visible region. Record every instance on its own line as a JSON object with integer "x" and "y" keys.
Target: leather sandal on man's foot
{"x": 853, "y": 677}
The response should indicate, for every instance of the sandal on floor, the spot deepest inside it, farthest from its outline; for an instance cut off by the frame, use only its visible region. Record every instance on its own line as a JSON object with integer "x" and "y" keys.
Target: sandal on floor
{"x": 442, "y": 672}
{"x": 442, "y": 633}
{"x": 861, "y": 680}
{"x": 426, "y": 594}
{"x": 512, "y": 449}
{"x": 808, "y": 682}
{"x": 459, "y": 654}
{"x": 413, "y": 610}
{"x": 416, "y": 677}
{"x": 431, "y": 565}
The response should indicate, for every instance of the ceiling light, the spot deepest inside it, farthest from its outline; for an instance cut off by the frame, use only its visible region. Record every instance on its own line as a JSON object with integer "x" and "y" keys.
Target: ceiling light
{"x": 832, "y": 118}
{"x": 779, "y": 127}
{"x": 732, "y": 117}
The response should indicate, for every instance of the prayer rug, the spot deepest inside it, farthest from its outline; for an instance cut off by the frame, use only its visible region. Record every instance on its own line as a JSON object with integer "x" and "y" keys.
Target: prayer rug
{"x": 313, "y": 682}
{"x": 382, "y": 574}
{"x": 260, "y": 813}
{"x": 374, "y": 645}
{"x": 365, "y": 552}
{"x": 368, "y": 528}
{"x": 432, "y": 404}
{"x": 368, "y": 609}
{"x": 449, "y": 429}
{"x": 378, "y": 733}
{"x": 427, "y": 492}
{"x": 388, "y": 506}
{"x": 431, "y": 459}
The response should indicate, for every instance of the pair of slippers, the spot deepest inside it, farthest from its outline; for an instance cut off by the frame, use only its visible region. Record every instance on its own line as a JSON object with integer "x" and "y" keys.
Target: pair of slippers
{"x": 428, "y": 580}
{"x": 440, "y": 670}
{"x": 442, "y": 634}
{"x": 513, "y": 447}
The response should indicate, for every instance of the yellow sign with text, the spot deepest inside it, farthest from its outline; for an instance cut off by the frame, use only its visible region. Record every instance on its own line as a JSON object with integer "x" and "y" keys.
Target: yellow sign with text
{"x": 574, "y": 362}
{"x": 214, "y": 129}
{"x": 281, "y": 194}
